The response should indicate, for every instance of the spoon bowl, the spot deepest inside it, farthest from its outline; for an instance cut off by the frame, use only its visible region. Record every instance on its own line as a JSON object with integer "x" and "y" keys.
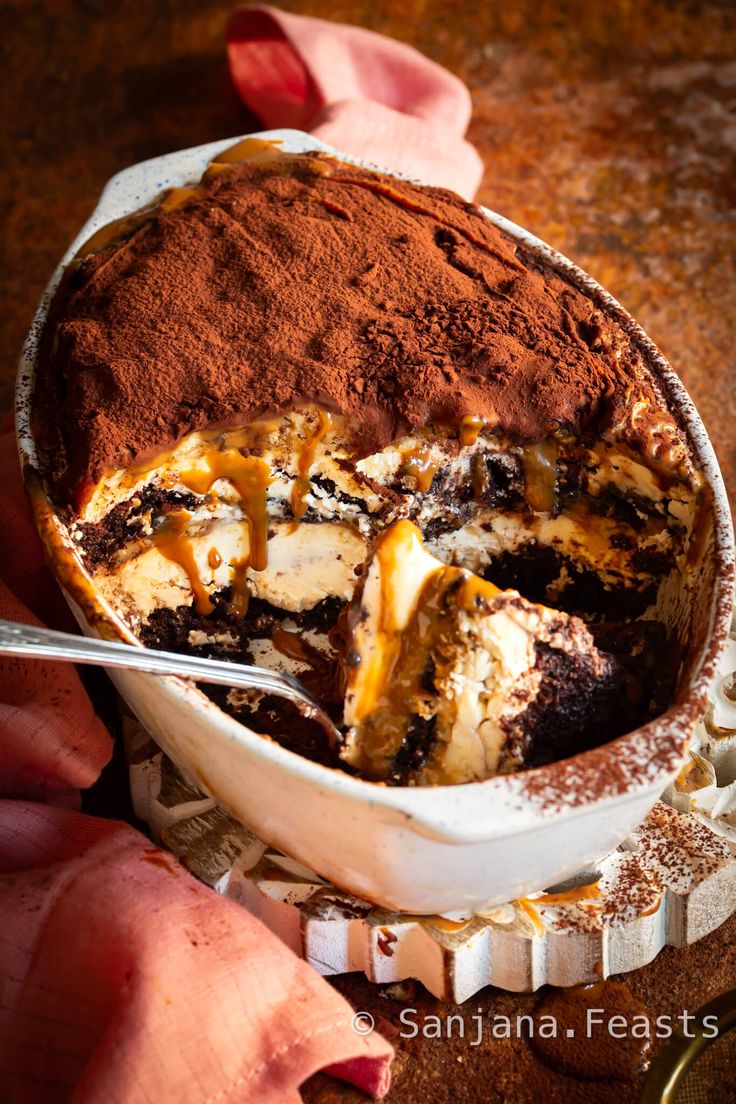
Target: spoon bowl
{"x": 32, "y": 642}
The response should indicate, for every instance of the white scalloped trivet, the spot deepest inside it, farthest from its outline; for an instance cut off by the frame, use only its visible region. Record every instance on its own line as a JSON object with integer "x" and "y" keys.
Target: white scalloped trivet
{"x": 671, "y": 882}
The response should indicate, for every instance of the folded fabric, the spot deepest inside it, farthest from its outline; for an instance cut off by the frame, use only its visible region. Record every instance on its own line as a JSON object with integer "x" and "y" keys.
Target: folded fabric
{"x": 123, "y": 979}
{"x": 50, "y": 739}
{"x": 363, "y": 93}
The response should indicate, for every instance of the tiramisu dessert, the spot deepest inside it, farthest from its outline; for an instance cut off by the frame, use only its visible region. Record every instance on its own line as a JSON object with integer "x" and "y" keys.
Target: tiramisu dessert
{"x": 321, "y": 419}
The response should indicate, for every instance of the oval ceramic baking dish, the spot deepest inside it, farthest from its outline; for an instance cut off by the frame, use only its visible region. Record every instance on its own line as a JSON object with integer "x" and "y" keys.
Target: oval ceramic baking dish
{"x": 416, "y": 849}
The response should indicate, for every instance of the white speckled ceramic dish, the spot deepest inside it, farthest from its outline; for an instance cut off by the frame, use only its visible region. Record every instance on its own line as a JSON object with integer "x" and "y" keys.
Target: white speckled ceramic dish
{"x": 416, "y": 849}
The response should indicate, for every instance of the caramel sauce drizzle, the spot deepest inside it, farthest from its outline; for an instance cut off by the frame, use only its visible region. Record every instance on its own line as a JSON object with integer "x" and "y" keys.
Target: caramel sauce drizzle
{"x": 250, "y": 476}
{"x": 115, "y": 231}
{"x": 180, "y": 197}
{"x": 172, "y": 541}
{"x": 124, "y": 227}
{"x": 376, "y": 668}
{"x": 418, "y": 464}
{"x": 445, "y": 925}
{"x": 479, "y": 474}
{"x": 240, "y": 590}
{"x": 574, "y": 896}
{"x": 469, "y": 429}
{"x": 597, "y": 532}
{"x": 392, "y": 671}
{"x": 527, "y": 907}
{"x": 251, "y": 149}
{"x": 306, "y": 458}
{"x": 693, "y": 776}
{"x": 258, "y": 150}
{"x": 540, "y": 474}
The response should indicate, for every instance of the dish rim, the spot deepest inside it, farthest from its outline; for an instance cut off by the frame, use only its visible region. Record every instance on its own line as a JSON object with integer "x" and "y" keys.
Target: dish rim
{"x": 185, "y": 166}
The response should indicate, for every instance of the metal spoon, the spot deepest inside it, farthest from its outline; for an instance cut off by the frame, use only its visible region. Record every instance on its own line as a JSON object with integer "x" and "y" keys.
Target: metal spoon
{"x": 37, "y": 643}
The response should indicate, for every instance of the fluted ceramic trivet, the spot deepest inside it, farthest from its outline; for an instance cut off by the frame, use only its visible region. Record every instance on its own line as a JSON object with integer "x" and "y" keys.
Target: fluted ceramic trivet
{"x": 671, "y": 882}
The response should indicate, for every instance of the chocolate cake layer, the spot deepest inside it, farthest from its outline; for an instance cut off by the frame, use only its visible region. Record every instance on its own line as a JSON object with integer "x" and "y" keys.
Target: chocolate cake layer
{"x": 301, "y": 279}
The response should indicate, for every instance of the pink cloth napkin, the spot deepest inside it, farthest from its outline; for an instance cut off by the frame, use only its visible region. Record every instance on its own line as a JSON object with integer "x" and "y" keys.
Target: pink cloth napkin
{"x": 361, "y": 92}
{"x": 123, "y": 980}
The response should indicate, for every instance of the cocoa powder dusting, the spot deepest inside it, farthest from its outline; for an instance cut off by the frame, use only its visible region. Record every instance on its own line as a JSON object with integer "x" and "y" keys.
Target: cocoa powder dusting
{"x": 310, "y": 281}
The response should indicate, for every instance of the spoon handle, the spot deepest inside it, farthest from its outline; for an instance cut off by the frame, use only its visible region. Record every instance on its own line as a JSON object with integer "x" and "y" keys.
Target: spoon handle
{"x": 34, "y": 642}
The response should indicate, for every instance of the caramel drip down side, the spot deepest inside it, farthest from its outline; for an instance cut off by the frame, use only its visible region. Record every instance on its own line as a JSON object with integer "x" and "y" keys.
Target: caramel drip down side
{"x": 469, "y": 429}
{"x": 304, "y": 464}
{"x": 115, "y": 231}
{"x": 250, "y": 476}
{"x": 540, "y": 474}
{"x": 172, "y": 541}
{"x": 257, "y": 150}
{"x": 240, "y": 592}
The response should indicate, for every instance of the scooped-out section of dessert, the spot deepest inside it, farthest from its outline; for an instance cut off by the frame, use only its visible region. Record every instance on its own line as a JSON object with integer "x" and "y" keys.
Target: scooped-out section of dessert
{"x": 389, "y": 452}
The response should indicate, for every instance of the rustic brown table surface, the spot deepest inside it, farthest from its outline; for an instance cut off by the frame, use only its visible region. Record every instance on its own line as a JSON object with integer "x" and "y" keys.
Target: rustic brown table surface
{"x": 609, "y": 129}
